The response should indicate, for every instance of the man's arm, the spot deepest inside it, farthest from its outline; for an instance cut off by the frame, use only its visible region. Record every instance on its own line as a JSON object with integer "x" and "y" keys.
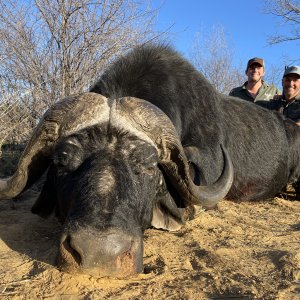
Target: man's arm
{"x": 272, "y": 105}
{"x": 231, "y": 93}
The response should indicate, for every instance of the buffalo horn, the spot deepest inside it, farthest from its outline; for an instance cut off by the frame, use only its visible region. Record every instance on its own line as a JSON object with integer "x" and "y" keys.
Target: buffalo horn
{"x": 157, "y": 126}
{"x": 64, "y": 117}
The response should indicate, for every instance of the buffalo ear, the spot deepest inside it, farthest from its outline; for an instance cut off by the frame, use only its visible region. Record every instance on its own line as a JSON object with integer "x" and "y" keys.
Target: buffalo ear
{"x": 46, "y": 202}
{"x": 162, "y": 219}
{"x": 166, "y": 214}
{"x": 169, "y": 210}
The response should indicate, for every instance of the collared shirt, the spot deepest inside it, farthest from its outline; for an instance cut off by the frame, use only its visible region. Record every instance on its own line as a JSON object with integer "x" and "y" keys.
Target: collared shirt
{"x": 265, "y": 92}
{"x": 290, "y": 109}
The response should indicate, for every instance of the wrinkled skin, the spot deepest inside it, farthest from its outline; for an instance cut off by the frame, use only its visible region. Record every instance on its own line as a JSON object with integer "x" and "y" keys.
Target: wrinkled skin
{"x": 98, "y": 187}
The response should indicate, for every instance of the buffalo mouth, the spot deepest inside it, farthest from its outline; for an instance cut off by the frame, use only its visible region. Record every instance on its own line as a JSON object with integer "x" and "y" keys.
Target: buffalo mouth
{"x": 109, "y": 254}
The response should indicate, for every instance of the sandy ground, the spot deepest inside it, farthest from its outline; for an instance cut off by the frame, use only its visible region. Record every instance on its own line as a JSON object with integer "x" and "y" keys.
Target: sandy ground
{"x": 237, "y": 251}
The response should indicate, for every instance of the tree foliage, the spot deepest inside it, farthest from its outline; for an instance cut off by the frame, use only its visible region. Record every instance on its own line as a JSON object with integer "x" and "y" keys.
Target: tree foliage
{"x": 289, "y": 13}
{"x": 214, "y": 58}
{"x": 50, "y": 49}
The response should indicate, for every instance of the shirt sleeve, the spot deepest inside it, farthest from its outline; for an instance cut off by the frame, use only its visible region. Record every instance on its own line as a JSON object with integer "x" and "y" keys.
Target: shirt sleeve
{"x": 272, "y": 105}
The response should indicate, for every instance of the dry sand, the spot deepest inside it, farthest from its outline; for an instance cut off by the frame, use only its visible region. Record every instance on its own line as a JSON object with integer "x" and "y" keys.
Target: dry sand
{"x": 238, "y": 251}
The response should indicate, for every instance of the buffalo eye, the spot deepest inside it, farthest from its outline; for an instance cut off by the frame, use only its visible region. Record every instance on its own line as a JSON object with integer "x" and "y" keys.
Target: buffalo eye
{"x": 61, "y": 159}
{"x": 146, "y": 166}
{"x": 149, "y": 169}
{"x": 68, "y": 156}
{"x": 142, "y": 168}
{"x": 144, "y": 158}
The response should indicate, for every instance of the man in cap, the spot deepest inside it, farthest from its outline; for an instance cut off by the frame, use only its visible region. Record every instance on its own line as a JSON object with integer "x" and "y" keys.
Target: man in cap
{"x": 255, "y": 88}
{"x": 289, "y": 103}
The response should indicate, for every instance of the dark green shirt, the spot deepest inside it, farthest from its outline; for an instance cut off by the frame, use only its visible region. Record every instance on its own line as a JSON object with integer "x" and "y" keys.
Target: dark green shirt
{"x": 289, "y": 109}
{"x": 266, "y": 92}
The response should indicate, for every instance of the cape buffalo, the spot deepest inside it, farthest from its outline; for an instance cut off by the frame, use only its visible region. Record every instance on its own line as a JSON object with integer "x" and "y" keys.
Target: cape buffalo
{"x": 149, "y": 143}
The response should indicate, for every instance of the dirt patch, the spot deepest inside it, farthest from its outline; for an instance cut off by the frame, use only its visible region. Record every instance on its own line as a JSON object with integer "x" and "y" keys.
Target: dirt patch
{"x": 237, "y": 251}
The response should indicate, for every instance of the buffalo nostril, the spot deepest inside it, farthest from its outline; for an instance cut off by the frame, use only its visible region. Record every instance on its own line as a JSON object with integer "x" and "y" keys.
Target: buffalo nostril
{"x": 110, "y": 253}
{"x": 67, "y": 245}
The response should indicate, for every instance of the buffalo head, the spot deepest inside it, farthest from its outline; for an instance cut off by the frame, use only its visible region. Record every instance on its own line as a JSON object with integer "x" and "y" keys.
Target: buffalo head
{"x": 114, "y": 168}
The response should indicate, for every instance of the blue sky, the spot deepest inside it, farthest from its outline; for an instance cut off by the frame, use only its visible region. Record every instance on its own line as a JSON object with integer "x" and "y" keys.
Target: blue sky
{"x": 244, "y": 22}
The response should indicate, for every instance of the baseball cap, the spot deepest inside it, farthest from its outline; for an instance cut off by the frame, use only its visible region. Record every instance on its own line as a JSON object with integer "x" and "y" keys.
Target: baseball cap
{"x": 291, "y": 70}
{"x": 255, "y": 60}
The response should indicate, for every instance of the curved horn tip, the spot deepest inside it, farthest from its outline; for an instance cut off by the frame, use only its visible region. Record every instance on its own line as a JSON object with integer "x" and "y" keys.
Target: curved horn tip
{"x": 3, "y": 189}
{"x": 209, "y": 196}
{"x": 3, "y": 184}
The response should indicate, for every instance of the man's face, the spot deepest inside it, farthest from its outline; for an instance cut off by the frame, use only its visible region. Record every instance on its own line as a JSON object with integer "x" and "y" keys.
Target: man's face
{"x": 255, "y": 72}
{"x": 291, "y": 86}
